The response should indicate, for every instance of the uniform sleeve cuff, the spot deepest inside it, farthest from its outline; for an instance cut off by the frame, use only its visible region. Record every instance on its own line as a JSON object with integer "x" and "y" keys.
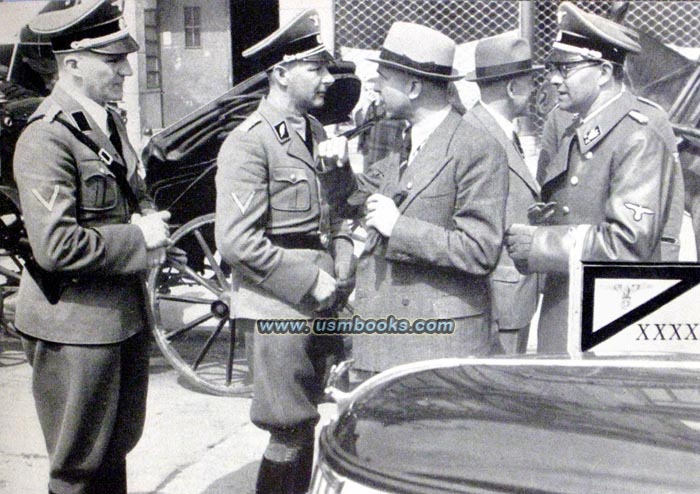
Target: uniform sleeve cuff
{"x": 125, "y": 248}
{"x": 292, "y": 279}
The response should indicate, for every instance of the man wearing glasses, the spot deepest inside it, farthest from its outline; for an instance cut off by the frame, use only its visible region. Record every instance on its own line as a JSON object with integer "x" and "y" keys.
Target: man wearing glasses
{"x": 611, "y": 180}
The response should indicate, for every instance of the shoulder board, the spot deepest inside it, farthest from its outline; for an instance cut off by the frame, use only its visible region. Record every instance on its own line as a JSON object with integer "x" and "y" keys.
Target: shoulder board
{"x": 638, "y": 117}
{"x": 47, "y": 113}
{"x": 249, "y": 123}
{"x": 650, "y": 103}
{"x": 51, "y": 112}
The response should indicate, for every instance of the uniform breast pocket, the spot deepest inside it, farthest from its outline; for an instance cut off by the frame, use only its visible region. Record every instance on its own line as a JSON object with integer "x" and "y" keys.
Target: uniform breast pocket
{"x": 98, "y": 188}
{"x": 290, "y": 190}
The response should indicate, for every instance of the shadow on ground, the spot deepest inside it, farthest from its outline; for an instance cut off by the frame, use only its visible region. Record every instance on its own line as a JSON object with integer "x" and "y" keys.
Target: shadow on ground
{"x": 241, "y": 481}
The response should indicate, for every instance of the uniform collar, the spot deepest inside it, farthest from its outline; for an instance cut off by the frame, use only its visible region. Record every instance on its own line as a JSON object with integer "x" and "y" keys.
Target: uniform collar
{"x": 95, "y": 110}
{"x": 282, "y": 122}
{"x": 592, "y": 129}
{"x": 286, "y": 131}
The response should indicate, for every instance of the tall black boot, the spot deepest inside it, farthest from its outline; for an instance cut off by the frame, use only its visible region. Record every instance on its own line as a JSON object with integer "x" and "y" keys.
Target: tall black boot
{"x": 276, "y": 478}
{"x": 111, "y": 479}
{"x": 304, "y": 469}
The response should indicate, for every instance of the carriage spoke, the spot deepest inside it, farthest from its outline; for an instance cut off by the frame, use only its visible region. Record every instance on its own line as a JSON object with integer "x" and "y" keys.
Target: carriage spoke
{"x": 176, "y": 333}
{"x": 210, "y": 257}
{"x": 10, "y": 274}
{"x": 191, "y": 308}
{"x": 207, "y": 345}
{"x": 231, "y": 352}
{"x": 16, "y": 262}
{"x": 184, "y": 299}
{"x": 202, "y": 280}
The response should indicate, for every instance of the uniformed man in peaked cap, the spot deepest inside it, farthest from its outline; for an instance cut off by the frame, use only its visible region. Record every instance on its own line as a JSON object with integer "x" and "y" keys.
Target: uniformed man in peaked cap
{"x": 291, "y": 257}
{"x": 94, "y": 233}
{"x": 611, "y": 181}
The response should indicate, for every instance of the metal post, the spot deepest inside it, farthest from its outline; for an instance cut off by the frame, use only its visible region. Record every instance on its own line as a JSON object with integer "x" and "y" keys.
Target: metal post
{"x": 527, "y": 22}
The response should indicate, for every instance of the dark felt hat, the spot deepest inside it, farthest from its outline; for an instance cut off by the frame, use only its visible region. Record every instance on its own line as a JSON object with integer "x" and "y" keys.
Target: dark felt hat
{"x": 501, "y": 56}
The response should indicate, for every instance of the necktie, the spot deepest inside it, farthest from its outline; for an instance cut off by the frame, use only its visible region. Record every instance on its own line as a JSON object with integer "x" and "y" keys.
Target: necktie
{"x": 518, "y": 146}
{"x": 308, "y": 137}
{"x": 114, "y": 134}
{"x": 405, "y": 151}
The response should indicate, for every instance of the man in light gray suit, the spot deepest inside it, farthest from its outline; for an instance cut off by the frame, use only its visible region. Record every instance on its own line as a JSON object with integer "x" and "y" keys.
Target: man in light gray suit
{"x": 504, "y": 72}
{"x": 434, "y": 212}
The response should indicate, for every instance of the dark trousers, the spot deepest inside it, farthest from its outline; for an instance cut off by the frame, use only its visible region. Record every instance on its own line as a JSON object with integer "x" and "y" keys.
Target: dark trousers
{"x": 290, "y": 372}
{"x": 289, "y": 378}
{"x": 91, "y": 403}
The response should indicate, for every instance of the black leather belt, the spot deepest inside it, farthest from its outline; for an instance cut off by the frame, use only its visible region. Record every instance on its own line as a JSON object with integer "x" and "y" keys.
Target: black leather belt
{"x": 298, "y": 241}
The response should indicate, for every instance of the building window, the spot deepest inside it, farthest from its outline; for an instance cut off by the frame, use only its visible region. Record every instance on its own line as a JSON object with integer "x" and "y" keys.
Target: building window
{"x": 193, "y": 27}
{"x": 152, "y": 49}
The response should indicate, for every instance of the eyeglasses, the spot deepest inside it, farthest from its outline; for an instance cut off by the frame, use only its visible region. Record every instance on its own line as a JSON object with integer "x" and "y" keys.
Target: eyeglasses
{"x": 565, "y": 69}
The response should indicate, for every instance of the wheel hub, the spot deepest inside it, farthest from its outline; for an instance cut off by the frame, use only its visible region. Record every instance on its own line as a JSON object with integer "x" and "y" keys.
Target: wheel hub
{"x": 220, "y": 309}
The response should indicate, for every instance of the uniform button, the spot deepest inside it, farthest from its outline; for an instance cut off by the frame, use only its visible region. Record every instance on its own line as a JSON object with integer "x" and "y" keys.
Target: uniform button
{"x": 588, "y": 155}
{"x": 405, "y": 302}
{"x": 574, "y": 180}
{"x": 565, "y": 210}
{"x": 293, "y": 176}
{"x": 409, "y": 185}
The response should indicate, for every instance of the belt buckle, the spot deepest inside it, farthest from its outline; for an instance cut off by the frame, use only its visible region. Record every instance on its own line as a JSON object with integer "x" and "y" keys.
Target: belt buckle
{"x": 325, "y": 240}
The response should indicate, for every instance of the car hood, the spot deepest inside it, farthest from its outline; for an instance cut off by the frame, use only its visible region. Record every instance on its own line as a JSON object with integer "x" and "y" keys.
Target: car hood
{"x": 513, "y": 427}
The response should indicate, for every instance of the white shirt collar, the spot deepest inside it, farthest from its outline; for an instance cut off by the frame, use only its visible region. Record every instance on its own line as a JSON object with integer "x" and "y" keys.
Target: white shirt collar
{"x": 502, "y": 121}
{"x": 420, "y": 131}
{"x": 92, "y": 108}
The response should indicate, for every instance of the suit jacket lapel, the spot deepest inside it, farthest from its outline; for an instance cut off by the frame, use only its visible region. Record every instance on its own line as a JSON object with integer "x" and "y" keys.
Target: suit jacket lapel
{"x": 515, "y": 162}
{"x": 431, "y": 159}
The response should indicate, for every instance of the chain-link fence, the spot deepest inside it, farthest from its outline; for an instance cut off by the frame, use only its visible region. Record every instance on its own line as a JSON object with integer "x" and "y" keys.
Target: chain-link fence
{"x": 364, "y": 23}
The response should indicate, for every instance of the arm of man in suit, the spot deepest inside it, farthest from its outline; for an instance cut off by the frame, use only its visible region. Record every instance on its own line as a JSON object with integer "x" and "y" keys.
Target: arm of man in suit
{"x": 472, "y": 241}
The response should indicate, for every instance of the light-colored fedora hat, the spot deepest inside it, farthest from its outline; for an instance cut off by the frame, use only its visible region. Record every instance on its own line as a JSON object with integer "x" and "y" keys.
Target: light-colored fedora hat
{"x": 419, "y": 50}
{"x": 501, "y": 56}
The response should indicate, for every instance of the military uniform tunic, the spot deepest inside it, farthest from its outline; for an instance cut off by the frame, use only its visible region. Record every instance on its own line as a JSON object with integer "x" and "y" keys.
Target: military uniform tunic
{"x": 89, "y": 351}
{"x": 273, "y": 226}
{"x": 617, "y": 172}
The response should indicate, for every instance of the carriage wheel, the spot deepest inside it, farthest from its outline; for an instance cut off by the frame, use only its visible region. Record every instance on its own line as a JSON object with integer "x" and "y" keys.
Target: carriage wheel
{"x": 190, "y": 307}
{"x": 12, "y": 237}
